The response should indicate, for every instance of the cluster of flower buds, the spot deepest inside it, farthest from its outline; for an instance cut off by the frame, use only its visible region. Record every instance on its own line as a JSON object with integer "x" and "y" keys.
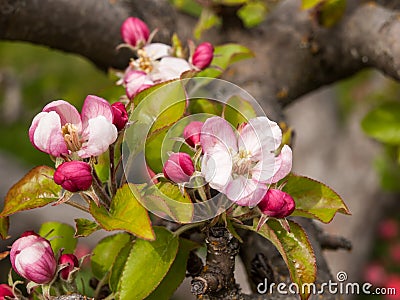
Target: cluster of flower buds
{"x": 240, "y": 165}
{"x": 33, "y": 259}
{"x": 156, "y": 62}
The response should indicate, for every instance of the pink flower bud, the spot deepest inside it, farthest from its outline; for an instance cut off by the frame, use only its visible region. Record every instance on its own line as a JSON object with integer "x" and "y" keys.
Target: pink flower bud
{"x": 179, "y": 167}
{"x": 192, "y": 132}
{"x": 71, "y": 261}
{"x": 120, "y": 115}
{"x": 6, "y": 291}
{"x": 134, "y": 31}
{"x": 74, "y": 176}
{"x": 203, "y": 55}
{"x": 32, "y": 258}
{"x": 277, "y": 204}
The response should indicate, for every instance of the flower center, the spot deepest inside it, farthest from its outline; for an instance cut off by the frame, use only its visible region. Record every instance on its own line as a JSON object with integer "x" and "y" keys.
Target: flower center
{"x": 242, "y": 163}
{"x": 71, "y": 137}
{"x": 144, "y": 62}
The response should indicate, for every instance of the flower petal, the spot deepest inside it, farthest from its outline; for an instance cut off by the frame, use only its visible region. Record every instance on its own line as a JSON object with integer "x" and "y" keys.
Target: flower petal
{"x": 157, "y": 50}
{"x": 169, "y": 68}
{"x": 101, "y": 134}
{"x": 216, "y": 167}
{"x": 285, "y": 161}
{"x": 93, "y": 107}
{"x": 245, "y": 192}
{"x": 45, "y": 134}
{"x": 136, "y": 81}
{"x": 67, "y": 112}
{"x": 259, "y": 137}
{"x": 217, "y": 131}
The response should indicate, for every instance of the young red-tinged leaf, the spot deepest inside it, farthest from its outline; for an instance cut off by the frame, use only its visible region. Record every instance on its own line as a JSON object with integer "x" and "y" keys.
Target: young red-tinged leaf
{"x": 224, "y": 56}
{"x": 126, "y": 213}
{"x": 85, "y": 227}
{"x": 176, "y": 273}
{"x": 60, "y": 235}
{"x": 105, "y": 253}
{"x": 314, "y": 199}
{"x": 4, "y": 225}
{"x": 167, "y": 198}
{"x": 156, "y": 257}
{"x": 295, "y": 249}
{"x": 35, "y": 189}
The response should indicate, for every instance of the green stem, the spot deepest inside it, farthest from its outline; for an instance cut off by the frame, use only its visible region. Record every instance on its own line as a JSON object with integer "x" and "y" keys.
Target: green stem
{"x": 78, "y": 206}
{"x": 101, "y": 283}
{"x": 186, "y": 227}
{"x": 98, "y": 188}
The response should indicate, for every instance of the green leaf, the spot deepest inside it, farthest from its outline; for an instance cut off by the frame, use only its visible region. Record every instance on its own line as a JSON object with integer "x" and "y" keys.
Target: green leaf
{"x": 314, "y": 199}
{"x": 307, "y": 4}
{"x": 118, "y": 266}
{"x": 383, "y": 123}
{"x": 207, "y": 20}
{"x": 102, "y": 166}
{"x": 237, "y": 110}
{"x": 224, "y": 56}
{"x": 332, "y": 12}
{"x": 156, "y": 257}
{"x": 205, "y": 106}
{"x": 85, "y": 227}
{"x": 153, "y": 151}
{"x": 176, "y": 273}
{"x": 104, "y": 254}
{"x": 126, "y": 213}
{"x": 190, "y": 7}
{"x": 166, "y": 198}
{"x": 253, "y": 13}
{"x": 4, "y": 226}
{"x": 35, "y": 189}
{"x": 60, "y": 235}
{"x": 294, "y": 247}
{"x": 388, "y": 169}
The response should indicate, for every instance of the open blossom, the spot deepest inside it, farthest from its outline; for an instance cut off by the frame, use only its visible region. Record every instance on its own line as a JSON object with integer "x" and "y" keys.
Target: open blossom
{"x": 134, "y": 31}
{"x": 179, "y": 167}
{"x": 74, "y": 176}
{"x": 60, "y": 130}
{"x": 32, "y": 257}
{"x": 241, "y": 165}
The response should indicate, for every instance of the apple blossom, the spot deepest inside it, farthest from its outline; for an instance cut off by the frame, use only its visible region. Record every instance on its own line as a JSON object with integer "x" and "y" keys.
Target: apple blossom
{"x": 191, "y": 133}
{"x": 74, "y": 176}
{"x": 242, "y": 165}
{"x": 71, "y": 262}
{"x": 6, "y": 291}
{"x": 120, "y": 115}
{"x": 134, "y": 31}
{"x": 32, "y": 257}
{"x": 276, "y": 204}
{"x": 179, "y": 167}
{"x": 203, "y": 55}
{"x": 60, "y": 130}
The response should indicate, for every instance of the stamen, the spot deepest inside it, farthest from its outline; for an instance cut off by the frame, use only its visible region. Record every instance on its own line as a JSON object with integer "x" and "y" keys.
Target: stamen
{"x": 144, "y": 62}
{"x": 71, "y": 137}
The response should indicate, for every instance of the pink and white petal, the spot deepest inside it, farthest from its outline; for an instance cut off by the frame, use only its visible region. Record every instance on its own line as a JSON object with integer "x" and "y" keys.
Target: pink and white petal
{"x": 46, "y": 134}
{"x": 265, "y": 169}
{"x": 241, "y": 191}
{"x": 216, "y": 168}
{"x": 157, "y": 50}
{"x": 92, "y": 108}
{"x": 218, "y": 131}
{"x": 135, "y": 82}
{"x": 67, "y": 112}
{"x": 257, "y": 137}
{"x": 285, "y": 162}
{"x": 169, "y": 68}
{"x": 101, "y": 134}
{"x": 254, "y": 198}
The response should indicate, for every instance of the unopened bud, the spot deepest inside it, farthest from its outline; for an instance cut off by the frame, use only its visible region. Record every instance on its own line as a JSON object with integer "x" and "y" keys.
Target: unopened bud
{"x": 192, "y": 132}
{"x": 134, "y": 31}
{"x": 277, "y": 204}
{"x": 6, "y": 291}
{"x": 32, "y": 258}
{"x": 70, "y": 261}
{"x": 120, "y": 115}
{"x": 203, "y": 55}
{"x": 179, "y": 167}
{"x": 74, "y": 176}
